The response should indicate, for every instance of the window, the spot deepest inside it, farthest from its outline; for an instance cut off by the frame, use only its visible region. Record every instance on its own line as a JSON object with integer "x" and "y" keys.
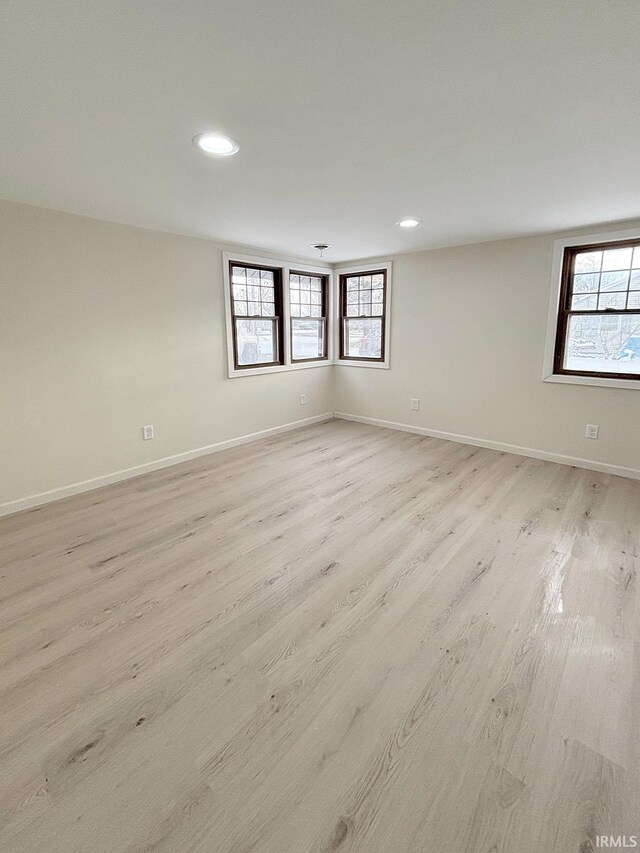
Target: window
{"x": 598, "y": 325}
{"x": 256, "y": 315}
{"x": 278, "y": 317}
{"x": 308, "y": 307}
{"x": 282, "y": 316}
{"x": 363, "y": 315}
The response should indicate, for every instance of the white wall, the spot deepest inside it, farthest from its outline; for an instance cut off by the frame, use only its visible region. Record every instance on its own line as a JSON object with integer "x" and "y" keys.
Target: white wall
{"x": 104, "y": 328}
{"x": 468, "y": 336}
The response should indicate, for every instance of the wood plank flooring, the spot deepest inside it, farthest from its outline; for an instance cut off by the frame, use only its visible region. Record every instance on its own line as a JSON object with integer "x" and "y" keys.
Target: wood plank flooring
{"x": 338, "y": 639}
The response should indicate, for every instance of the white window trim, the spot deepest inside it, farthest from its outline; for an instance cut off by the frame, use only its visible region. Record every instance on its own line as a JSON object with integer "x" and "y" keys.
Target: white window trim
{"x": 554, "y": 303}
{"x": 364, "y": 268}
{"x": 285, "y": 267}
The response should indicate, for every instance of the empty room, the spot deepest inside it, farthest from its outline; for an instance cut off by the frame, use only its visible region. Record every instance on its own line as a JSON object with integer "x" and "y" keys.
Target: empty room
{"x": 319, "y": 426}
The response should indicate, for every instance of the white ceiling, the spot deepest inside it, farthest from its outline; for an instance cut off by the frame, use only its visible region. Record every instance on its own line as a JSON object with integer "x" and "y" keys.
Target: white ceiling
{"x": 483, "y": 118}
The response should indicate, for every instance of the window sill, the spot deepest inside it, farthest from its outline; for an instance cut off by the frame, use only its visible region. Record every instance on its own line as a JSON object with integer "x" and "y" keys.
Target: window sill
{"x": 563, "y": 379}
{"x": 377, "y": 365}
{"x": 234, "y": 373}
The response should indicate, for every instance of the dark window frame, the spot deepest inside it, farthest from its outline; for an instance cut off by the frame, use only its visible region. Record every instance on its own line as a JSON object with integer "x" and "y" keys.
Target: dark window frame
{"x": 342, "y": 302}
{"x": 565, "y": 312}
{"x": 324, "y": 316}
{"x": 277, "y": 319}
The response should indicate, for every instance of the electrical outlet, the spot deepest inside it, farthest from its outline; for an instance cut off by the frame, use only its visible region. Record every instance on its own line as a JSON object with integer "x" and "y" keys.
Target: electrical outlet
{"x": 414, "y": 405}
{"x": 592, "y": 431}
{"x": 147, "y": 432}
{"x": 303, "y": 399}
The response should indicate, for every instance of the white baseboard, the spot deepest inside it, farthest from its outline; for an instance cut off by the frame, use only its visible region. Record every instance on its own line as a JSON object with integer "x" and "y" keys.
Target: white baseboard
{"x": 127, "y": 473}
{"x": 589, "y": 464}
{"x": 137, "y": 470}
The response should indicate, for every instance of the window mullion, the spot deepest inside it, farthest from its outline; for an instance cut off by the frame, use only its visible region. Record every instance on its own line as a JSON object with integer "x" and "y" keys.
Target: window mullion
{"x": 287, "y": 354}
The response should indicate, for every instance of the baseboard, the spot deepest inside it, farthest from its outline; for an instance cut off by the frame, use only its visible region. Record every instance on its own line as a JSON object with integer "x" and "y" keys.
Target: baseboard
{"x": 576, "y": 462}
{"x": 127, "y": 473}
{"x": 137, "y": 470}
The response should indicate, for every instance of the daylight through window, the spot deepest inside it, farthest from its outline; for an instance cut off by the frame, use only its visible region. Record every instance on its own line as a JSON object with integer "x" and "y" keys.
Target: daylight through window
{"x": 598, "y": 332}
{"x": 256, "y": 301}
{"x": 308, "y": 305}
{"x": 363, "y": 299}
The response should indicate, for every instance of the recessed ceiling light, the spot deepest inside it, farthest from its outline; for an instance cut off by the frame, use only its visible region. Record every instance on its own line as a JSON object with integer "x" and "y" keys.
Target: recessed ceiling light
{"x": 216, "y": 143}
{"x": 409, "y": 222}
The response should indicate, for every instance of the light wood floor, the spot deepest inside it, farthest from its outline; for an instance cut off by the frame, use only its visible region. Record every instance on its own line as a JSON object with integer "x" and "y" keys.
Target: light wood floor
{"x": 338, "y": 639}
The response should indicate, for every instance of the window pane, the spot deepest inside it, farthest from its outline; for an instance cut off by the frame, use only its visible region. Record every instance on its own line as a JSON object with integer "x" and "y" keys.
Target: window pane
{"x": 584, "y": 302}
{"x": 361, "y": 292}
{"x": 588, "y": 262}
{"x": 617, "y": 259}
{"x": 307, "y": 339}
{"x": 254, "y": 292}
{"x": 603, "y": 344}
{"x": 363, "y": 338}
{"x": 353, "y": 308}
{"x": 614, "y": 280}
{"x": 365, "y": 304}
{"x": 256, "y": 341}
{"x": 585, "y": 283}
{"x": 305, "y": 295}
{"x": 612, "y": 300}
{"x": 634, "y": 281}
{"x": 634, "y": 300}
{"x": 636, "y": 258}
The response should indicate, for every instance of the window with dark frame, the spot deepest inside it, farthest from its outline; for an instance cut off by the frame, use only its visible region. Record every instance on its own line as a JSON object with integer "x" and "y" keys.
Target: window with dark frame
{"x": 598, "y": 332}
{"x": 363, "y": 301}
{"x": 308, "y": 307}
{"x": 256, "y": 315}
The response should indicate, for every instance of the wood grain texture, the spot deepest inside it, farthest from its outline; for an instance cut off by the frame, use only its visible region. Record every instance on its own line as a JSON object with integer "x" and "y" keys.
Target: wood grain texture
{"x": 339, "y": 639}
